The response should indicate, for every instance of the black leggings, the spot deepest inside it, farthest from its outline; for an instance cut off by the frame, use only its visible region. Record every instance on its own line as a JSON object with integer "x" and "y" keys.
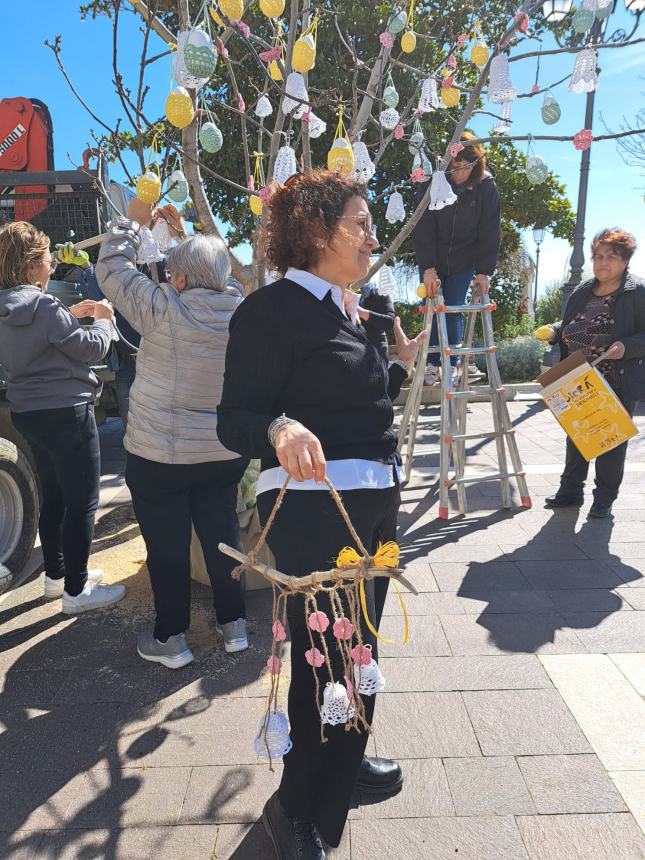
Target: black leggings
{"x": 65, "y": 446}
{"x": 308, "y": 532}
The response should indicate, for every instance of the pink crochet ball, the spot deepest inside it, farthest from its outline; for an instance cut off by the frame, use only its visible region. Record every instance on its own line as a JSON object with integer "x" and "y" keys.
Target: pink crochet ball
{"x": 448, "y": 82}
{"x": 583, "y": 139}
{"x": 455, "y": 149}
{"x": 314, "y": 657}
{"x": 274, "y": 664}
{"x": 279, "y": 633}
{"x": 451, "y": 62}
{"x": 522, "y": 22}
{"x": 318, "y": 621}
{"x": 264, "y": 194}
{"x": 361, "y": 655}
{"x": 418, "y": 174}
{"x": 244, "y": 29}
{"x": 399, "y": 132}
{"x": 461, "y": 40}
{"x": 535, "y": 89}
{"x": 386, "y": 39}
{"x": 343, "y": 628}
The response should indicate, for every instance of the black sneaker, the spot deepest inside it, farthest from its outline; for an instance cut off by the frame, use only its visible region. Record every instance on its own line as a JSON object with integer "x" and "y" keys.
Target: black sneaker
{"x": 559, "y": 501}
{"x": 292, "y": 839}
{"x": 599, "y": 512}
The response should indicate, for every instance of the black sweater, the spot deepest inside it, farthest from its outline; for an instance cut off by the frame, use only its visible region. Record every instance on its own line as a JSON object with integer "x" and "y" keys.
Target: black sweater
{"x": 381, "y": 318}
{"x": 290, "y": 352}
{"x": 463, "y": 236}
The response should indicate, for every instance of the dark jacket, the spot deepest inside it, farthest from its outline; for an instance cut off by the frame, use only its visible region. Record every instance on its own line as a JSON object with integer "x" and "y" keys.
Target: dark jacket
{"x": 629, "y": 328}
{"x": 381, "y": 318}
{"x": 465, "y": 235}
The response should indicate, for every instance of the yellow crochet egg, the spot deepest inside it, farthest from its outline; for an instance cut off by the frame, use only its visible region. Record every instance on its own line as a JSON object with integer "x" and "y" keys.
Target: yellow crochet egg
{"x": 179, "y": 108}
{"x": 148, "y": 188}
{"x": 450, "y": 96}
{"x": 340, "y": 158}
{"x": 274, "y": 70}
{"x": 479, "y": 54}
{"x": 304, "y": 54}
{"x": 255, "y": 205}
{"x": 408, "y": 42}
{"x": 233, "y": 9}
{"x": 272, "y": 8}
{"x": 422, "y": 292}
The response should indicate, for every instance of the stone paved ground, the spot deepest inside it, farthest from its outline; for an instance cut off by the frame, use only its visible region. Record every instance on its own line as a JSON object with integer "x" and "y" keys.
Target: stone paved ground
{"x": 516, "y": 709}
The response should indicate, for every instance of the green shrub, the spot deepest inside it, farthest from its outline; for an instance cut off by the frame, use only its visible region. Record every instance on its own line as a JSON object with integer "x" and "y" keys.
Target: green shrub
{"x": 549, "y": 306}
{"x": 519, "y": 360}
{"x": 411, "y": 319}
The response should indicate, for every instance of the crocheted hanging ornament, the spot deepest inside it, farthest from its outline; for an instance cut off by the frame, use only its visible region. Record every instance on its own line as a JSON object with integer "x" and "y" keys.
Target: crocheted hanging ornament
{"x": 148, "y": 251}
{"x": 395, "y": 208}
{"x": 274, "y": 70}
{"x": 364, "y": 168}
{"x": 503, "y": 124}
{"x": 343, "y": 627}
{"x": 584, "y": 78}
{"x": 233, "y": 9}
{"x": 148, "y": 188}
{"x": 200, "y": 57}
{"x": 180, "y": 72}
{"x": 179, "y": 108}
{"x": 318, "y": 621}
{"x": 398, "y": 23}
{"x": 304, "y": 54}
{"x": 583, "y": 139}
{"x": 479, "y": 54}
{"x": 336, "y": 708}
{"x": 272, "y": 740}
{"x": 272, "y": 8}
{"x": 278, "y": 631}
{"x": 264, "y": 107}
{"x": 551, "y": 111}
{"x": 285, "y": 164}
{"x": 389, "y": 118}
{"x": 417, "y": 138}
{"x": 429, "y": 99}
{"x": 603, "y": 9}
{"x": 210, "y": 137}
{"x": 317, "y": 126}
{"x": 295, "y": 86}
{"x": 385, "y": 281}
{"x": 441, "y": 194}
{"x": 408, "y": 42}
{"x": 536, "y": 170}
{"x": 422, "y": 162}
{"x": 500, "y": 85}
{"x": 368, "y": 679}
{"x": 584, "y": 17}
{"x": 390, "y": 93}
{"x": 178, "y": 190}
{"x": 450, "y": 94}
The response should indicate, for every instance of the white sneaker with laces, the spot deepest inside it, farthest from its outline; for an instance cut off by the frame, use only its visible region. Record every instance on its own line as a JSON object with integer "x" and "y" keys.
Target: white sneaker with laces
{"x": 54, "y": 587}
{"x": 93, "y": 596}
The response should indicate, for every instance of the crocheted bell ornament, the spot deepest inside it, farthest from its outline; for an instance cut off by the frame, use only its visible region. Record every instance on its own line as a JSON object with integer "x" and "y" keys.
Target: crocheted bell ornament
{"x": 441, "y": 194}
{"x": 503, "y": 124}
{"x": 500, "y": 85}
{"x": 148, "y": 249}
{"x": 277, "y": 742}
{"x": 389, "y": 118}
{"x": 386, "y": 284}
{"x": 264, "y": 107}
{"x": 295, "y": 86}
{"x": 364, "y": 168}
{"x": 551, "y": 111}
{"x": 368, "y": 679}
{"x": 584, "y": 78}
{"x": 395, "y": 208}
{"x": 317, "y": 126}
{"x": 162, "y": 235}
{"x": 285, "y": 164}
{"x": 178, "y": 187}
{"x": 336, "y": 707}
{"x": 429, "y": 99}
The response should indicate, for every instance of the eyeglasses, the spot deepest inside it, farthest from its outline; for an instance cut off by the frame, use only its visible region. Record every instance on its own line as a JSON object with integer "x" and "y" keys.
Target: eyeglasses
{"x": 365, "y": 222}
{"x": 53, "y": 265}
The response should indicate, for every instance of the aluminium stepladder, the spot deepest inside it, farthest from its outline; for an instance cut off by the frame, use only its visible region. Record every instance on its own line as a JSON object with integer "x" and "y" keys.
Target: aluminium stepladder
{"x": 453, "y": 434}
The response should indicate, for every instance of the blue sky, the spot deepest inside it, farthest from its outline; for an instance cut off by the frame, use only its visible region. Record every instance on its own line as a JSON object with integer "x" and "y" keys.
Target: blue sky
{"x": 616, "y": 192}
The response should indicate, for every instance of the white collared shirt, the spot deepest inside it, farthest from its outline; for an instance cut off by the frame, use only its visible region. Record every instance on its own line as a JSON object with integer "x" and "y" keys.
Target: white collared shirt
{"x": 351, "y": 474}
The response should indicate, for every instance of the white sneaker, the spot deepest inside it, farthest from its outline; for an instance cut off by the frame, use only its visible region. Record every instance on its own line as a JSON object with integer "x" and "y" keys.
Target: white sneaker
{"x": 93, "y": 596}
{"x": 432, "y": 376}
{"x": 234, "y": 634}
{"x": 54, "y": 587}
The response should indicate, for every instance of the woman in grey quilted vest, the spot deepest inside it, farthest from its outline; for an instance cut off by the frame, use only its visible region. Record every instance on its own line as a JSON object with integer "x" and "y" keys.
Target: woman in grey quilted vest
{"x": 177, "y": 470}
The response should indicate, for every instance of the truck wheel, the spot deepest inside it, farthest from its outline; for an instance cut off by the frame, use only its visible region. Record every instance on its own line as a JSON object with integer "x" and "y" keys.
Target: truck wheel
{"x": 18, "y": 511}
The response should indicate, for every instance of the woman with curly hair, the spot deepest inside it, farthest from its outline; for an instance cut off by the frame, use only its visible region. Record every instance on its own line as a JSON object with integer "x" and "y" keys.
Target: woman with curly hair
{"x": 604, "y": 316}
{"x": 306, "y": 392}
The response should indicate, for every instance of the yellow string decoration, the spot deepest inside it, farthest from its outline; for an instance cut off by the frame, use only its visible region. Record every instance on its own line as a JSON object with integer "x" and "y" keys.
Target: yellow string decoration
{"x": 409, "y": 39}
{"x": 148, "y": 188}
{"x": 255, "y": 202}
{"x": 340, "y": 158}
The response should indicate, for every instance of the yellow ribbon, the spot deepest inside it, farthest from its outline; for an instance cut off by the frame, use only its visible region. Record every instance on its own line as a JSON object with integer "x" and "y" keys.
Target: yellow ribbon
{"x": 258, "y": 172}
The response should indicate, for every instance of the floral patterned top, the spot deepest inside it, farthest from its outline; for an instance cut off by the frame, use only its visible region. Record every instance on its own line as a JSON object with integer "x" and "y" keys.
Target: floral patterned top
{"x": 591, "y": 332}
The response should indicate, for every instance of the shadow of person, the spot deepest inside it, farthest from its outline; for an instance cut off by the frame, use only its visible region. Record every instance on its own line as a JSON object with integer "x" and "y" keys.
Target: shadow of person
{"x": 537, "y": 594}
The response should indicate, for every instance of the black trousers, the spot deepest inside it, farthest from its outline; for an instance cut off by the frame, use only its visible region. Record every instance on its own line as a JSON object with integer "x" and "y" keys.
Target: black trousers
{"x": 308, "y": 532}
{"x": 166, "y": 499}
{"x": 610, "y": 468}
{"x": 65, "y": 446}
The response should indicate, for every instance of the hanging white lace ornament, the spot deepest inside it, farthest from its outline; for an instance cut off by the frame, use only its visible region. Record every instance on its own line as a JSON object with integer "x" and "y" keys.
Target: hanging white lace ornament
{"x": 503, "y": 124}
{"x": 277, "y": 736}
{"x": 182, "y": 75}
{"x": 161, "y": 234}
{"x": 395, "y": 208}
{"x": 317, "y": 126}
{"x": 584, "y": 78}
{"x": 336, "y": 708}
{"x": 148, "y": 249}
{"x": 429, "y": 99}
{"x": 264, "y": 107}
{"x": 389, "y": 118}
{"x": 500, "y": 85}
{"x": 386, "y": 284}
{"x": 368, "y": 680}
{"x": 295, "y": 86}
{"x": 441, "y": 194}
{"x": 285, "y": 164}
{"x": 364, "y": 168}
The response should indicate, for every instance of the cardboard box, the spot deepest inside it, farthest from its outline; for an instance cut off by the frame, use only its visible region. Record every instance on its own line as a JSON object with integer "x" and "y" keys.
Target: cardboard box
{"x": 586, "y": 407}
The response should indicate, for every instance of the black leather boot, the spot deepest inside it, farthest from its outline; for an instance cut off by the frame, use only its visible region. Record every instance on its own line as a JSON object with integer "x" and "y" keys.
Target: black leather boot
{"x": 292, "y": 839}
{"x": 559, "y": 501}
{"x": 379, "y": 777}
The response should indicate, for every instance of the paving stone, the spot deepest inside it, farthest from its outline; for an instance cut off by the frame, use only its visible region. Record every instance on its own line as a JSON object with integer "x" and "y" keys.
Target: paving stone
{"x": 21, "y": 844}
{"x": 510, "y": 633}
{"x": 543, "y": 550}
{"x": 490, "y": 838}
{"x": 420, "y": 574}
{"x": 488, "y": 786}
{"x": 426, "y": 638}
{"x": 568, "y": 575}
{"x": 632, "y": 572}
{"x": 454, "y": 552}
{"x": 132, "y": 843}
{"x": 581, "y": 837}
{"x": 631, "y": 785}
{"x": 590, "y": 600}
{"x": 425, "y": 793}
{"x": 477, "y": 579}
{"x": 635, "y": 597}
{"x": 424, "y": 725}
{"x": 250, "y": 842}
{"x": 407, "y": 674}
{"x": 36, "y": 801}
{"x": 523, "y": 722}
{"x": 32, "y": 688}
{"x": 520, "y": 672}
{"x": 621, "y": 550}
{"x": 569, "y": 783}
{"x": 633, "y": 668}
{"x": 229, "y": 794}
{"x": 602, "y": 633}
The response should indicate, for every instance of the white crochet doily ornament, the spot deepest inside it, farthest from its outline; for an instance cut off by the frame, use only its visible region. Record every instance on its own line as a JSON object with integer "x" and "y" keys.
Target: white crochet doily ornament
{"x": 317, "y": 126}
{"x": 148, "y": 249}
{"x": 386, "y": 284}
{"x": 285, "y": 164}
{"x": 368, "y": 679}
{"x": 395, "y": 208}
{"x": 336, "y": 708}
{"x": 295, "y": 86}
{"x": 182, "y": 75}
{"x": 503, "y": 124}
{"x": 161, "y": 234}
{"x": 584, "y": 78}
{"x": 264, "y": 107}
{"x": 277, "y": 742}
{"x": 441, "y": 194}
{"x": 500, "y": 85}
{"x": 364, "y": 168}
{"x": 389, "y": 118}
{"x": 429, "y": 99}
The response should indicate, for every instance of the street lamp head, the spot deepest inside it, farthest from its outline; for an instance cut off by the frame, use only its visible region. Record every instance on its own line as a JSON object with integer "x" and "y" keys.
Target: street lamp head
{"x": 557, "y": 10}
{"x": 538, "y": 234}
{"x": 635, "y": 6}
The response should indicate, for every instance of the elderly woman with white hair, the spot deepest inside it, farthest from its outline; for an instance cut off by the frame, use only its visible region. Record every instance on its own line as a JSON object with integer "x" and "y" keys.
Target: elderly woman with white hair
{"x": 177, "y": 470}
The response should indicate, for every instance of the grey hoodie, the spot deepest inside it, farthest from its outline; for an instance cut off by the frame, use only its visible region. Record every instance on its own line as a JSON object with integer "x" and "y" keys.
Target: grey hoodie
{"x": 45, "y": 352}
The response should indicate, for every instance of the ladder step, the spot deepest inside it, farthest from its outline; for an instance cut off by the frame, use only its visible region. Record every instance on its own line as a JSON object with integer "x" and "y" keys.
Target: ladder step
{"x": 466, "y": 436}
{"x": 465, "y": 309}
{"x": 474, "y": 392}
{"x": 471, "y": 350}
{"x": 497, "y": 476}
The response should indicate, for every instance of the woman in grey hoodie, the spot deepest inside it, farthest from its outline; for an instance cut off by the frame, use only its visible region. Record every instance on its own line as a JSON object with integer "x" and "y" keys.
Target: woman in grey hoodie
{"x": 45, "y": 354}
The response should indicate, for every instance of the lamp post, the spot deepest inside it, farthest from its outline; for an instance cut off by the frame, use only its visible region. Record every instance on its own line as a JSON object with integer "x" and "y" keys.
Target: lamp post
{"x": 538, "y": 238}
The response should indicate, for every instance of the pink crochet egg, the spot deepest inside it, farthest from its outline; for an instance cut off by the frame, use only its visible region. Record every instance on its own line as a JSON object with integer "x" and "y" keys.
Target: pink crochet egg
{"x": 343, "y": 628}
{"x": 279, "y": 633}
{"x": 361, "y": 655}
{"x": 455, "y": 149}
{"x": 274, "y": 664}
{"x": 314, "y": 657}
{"x": 399, "y": 131}
{"x": 318, "y": 621}
{"x": 386, "y": 39}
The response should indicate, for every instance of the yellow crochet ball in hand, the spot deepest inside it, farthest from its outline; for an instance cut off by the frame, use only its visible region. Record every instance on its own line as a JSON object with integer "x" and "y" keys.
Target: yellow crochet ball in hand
{"x": 304, "y": 54}
{"x": 422, "y": 292}
{"x": 255, "y": 205}
{"x": 272, "y": 8}
{"x": 149, "y": 188}
{"x": 544, "y": 332}
{"x": 408, "y": 42}
{"x": 274, "y": 70}
{"x": 233, "y": 9}
{"x": 450, "y": 96}
{"x": 340, "y": 158}
{"x": 479, "y": 54}
{"x": 179, "y": 108}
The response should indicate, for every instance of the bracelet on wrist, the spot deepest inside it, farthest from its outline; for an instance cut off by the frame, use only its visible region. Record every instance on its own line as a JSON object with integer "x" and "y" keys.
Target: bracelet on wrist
{"x": 276, "y": 425}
